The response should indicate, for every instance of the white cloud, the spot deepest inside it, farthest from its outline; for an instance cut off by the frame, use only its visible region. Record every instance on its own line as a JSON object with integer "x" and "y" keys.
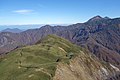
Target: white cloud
{"x": 23, "y": 11}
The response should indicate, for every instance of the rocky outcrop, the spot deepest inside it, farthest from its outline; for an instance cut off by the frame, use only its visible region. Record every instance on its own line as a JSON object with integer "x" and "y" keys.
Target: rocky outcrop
{"x": 86, "y": 68}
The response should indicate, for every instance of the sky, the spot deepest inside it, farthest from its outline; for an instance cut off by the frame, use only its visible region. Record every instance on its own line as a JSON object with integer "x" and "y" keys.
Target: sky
{"x": 19, "y": 12}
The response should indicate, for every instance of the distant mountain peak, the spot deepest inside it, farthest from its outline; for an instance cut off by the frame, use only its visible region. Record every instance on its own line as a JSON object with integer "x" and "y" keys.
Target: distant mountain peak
{"x": 96, "y": 18}
{"x": 47, "y": 26}
{"x": 107, "y": 17}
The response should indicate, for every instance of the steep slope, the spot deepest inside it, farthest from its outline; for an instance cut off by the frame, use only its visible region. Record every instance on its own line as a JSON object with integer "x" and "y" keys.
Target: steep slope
{"x": 86, "y": 68}
{"x": 54, "y": 58}
{"x": 101, "y": 36}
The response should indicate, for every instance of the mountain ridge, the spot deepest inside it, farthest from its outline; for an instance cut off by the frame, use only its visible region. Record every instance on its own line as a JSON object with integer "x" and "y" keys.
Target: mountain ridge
{"x": 52, "y": 55}
{"x": 14, "y": 30}
{"x": 100, "y": 37}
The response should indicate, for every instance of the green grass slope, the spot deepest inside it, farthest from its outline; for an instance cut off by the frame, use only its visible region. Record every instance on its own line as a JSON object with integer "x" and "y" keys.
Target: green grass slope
{"x": 39, "y": 61}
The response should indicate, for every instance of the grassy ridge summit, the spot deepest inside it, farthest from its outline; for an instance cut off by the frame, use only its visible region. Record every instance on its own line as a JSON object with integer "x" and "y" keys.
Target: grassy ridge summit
{"x": 37, "y": 62}
{"x": 51, "y": 57}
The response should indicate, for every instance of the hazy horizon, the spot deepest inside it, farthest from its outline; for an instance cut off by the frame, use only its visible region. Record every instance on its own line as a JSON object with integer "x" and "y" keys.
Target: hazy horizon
{"x": 27, "y": 26}
{"x": 34, "y": 26}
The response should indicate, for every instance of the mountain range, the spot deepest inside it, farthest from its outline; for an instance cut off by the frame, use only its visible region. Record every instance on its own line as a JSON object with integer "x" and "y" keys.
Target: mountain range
{"x": 14, "y": 30}
{"x": 101, "y": 36}
{"x": 55, "y": 58}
